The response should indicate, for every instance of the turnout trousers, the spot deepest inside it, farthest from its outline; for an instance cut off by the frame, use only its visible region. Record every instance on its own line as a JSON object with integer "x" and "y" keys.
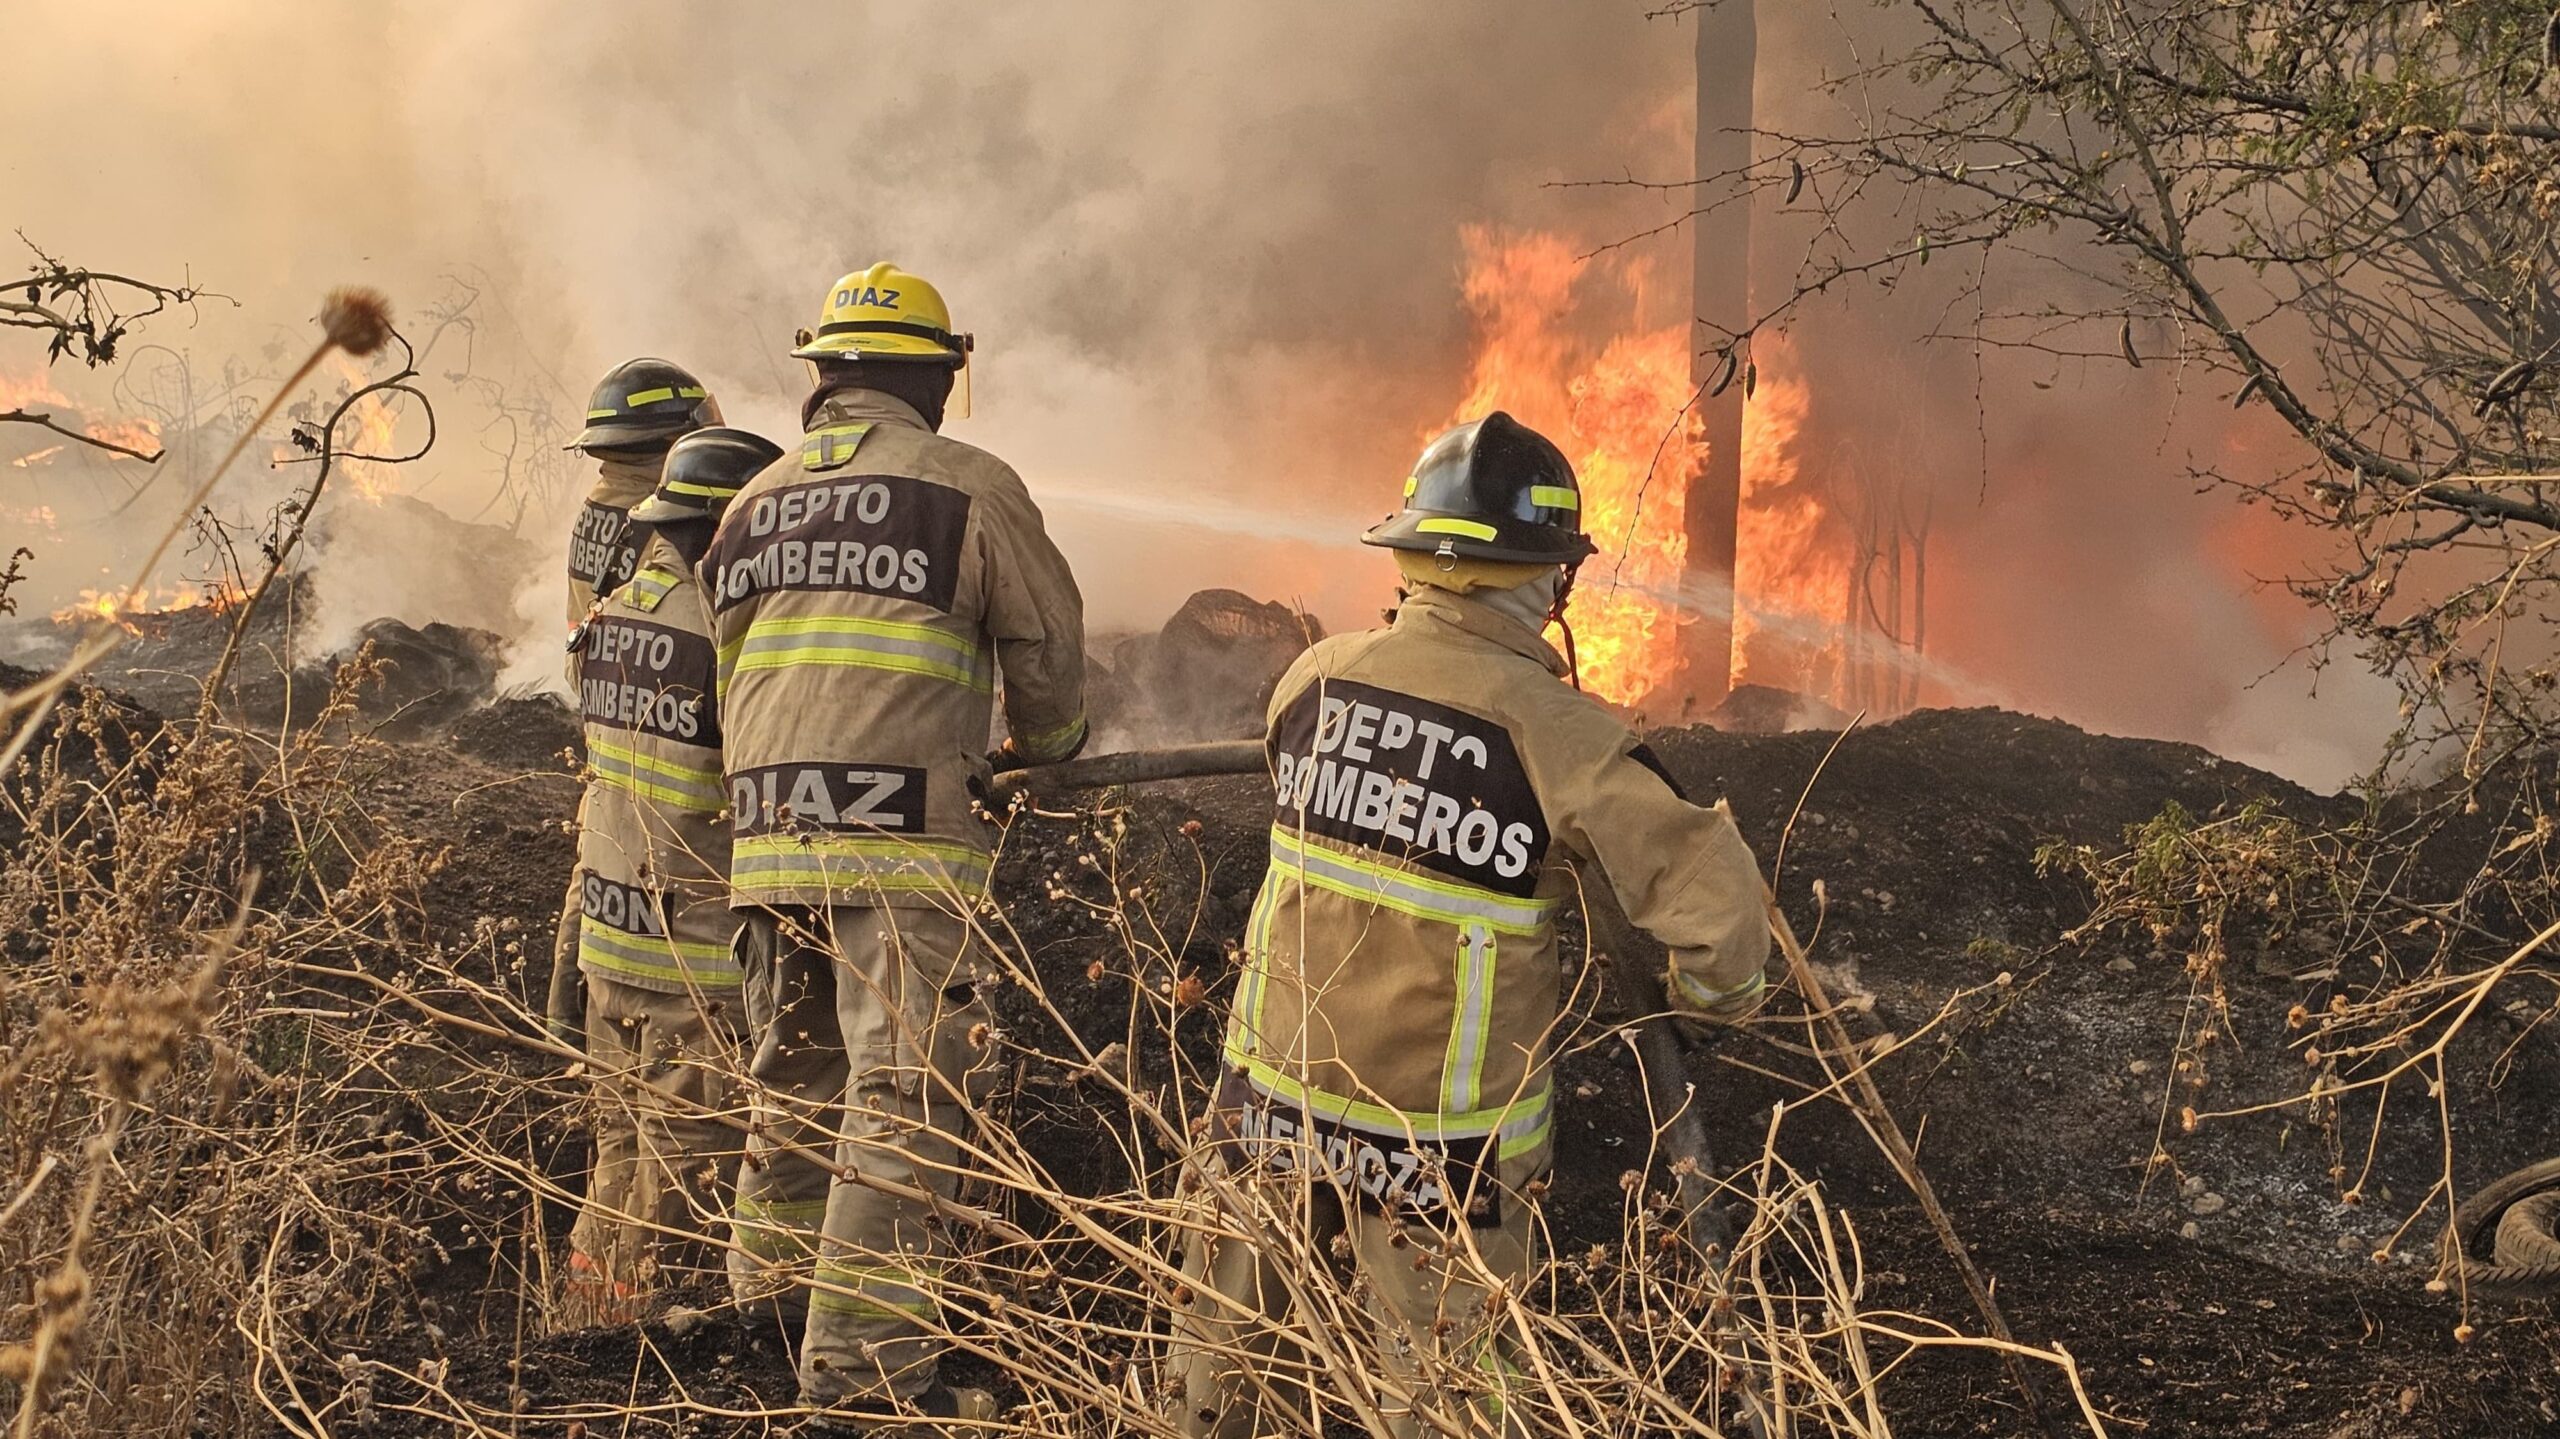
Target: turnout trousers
{"x": 863, "y": 1053}
{"x": 662, "y": 1169}
{"x": 1416, "y": 1293}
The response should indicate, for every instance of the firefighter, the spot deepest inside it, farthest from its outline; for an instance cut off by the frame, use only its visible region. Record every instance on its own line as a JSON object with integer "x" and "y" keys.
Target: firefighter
{"x": 868, "y": 592}
{"x": 638, "y": 409}
{"x": 1387, "y": 1103}
{"x": 654, "y": 930}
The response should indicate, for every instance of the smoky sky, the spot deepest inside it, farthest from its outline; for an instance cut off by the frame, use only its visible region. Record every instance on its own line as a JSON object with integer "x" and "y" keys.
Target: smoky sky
{"x": 1211, "y": 254}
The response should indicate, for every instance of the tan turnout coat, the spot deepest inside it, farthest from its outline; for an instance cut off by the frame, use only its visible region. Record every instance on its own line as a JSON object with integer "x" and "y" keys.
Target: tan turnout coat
{"x": 1438, "y": 786}
{"x": 653, "y": 846}
{"x": 601, "y": 543}
{"x": 867, "y": 592}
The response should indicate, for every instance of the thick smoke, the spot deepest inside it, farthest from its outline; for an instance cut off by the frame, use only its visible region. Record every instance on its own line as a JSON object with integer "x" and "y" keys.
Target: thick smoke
{"x": 1210, "y": 252}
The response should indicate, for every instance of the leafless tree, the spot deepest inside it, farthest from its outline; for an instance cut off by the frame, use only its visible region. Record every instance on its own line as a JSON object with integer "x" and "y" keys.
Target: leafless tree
{"x": 2343, "y": 215}
{"x": 84, "y": 315}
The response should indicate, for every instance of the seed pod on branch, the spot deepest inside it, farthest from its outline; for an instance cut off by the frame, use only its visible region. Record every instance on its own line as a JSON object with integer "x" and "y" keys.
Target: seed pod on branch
{"x": 356, "y": 320}
{"x": 2256, "y": 383}
{"x": 1724, "y": 374}
{"x": 1795, "y": 180}
{"x": 2124, "y": 342}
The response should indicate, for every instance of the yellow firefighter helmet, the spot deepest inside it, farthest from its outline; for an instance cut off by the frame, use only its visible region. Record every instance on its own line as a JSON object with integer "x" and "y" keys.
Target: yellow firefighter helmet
{"x": 884, "y": 313}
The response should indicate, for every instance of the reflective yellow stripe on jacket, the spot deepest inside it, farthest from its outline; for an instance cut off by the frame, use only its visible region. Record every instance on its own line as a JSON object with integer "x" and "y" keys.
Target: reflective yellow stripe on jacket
{"x": 650, "y": 586}
{"x": 776, "y": 643}
{"x": 1422, "y": 896}
{"x": 686, "y": 787}
{"x": 1479, "y": 915}
{"x": 1519, "y": 1126}
{"x": 1046, "y": 746}
{"x": 1462, "y": 1069}
{"x": 852, "y": 861}
{"x": 656, "y": 957}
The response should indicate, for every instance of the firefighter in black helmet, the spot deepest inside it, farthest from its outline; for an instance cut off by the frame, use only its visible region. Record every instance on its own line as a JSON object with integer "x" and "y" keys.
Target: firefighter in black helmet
{"x": 636, "y": 412}
{"x": 1492, "y": 490}
{"x": 638, "y": 409}
{"x": 1388, "y": 1094}
{"x": 663, "y": 1014}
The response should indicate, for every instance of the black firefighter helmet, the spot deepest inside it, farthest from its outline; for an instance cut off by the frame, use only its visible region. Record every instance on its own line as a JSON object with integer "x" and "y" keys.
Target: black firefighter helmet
{"x": 704, "y": 471}
{"x": 644, "y": 405}
{"x": 1491, "y": 490}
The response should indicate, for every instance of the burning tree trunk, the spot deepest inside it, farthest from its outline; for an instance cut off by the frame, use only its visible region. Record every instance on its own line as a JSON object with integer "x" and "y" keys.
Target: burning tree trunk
{"x": 1727, "y": 46}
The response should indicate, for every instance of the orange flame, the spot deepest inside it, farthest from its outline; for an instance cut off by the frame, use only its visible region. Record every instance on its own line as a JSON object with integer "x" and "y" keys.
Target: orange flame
{"x": 110, "y": 605}
{"x": 1621, "y": 415}
{"x": 141, "y": 435}
{"x": 376, "y": 434}
{"x": 34, "y": 388}
{"x": 1791, "y": 580}
{"x": 18, "y": 392}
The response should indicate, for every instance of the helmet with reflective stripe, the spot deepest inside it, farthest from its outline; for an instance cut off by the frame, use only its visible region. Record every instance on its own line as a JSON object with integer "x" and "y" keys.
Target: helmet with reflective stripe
{"x": 884, "y": 313}
{"x": 1491, "y": 490}
{"x": 644, "y": 404}
{"x": 703, "y": 473}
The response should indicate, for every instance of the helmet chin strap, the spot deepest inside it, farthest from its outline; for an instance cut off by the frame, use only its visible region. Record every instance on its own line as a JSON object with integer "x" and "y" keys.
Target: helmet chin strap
{"x": 1555, "y": 616}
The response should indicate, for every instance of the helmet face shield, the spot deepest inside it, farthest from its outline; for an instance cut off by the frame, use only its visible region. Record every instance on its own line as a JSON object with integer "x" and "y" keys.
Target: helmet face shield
{"x": 1491, "y": 490}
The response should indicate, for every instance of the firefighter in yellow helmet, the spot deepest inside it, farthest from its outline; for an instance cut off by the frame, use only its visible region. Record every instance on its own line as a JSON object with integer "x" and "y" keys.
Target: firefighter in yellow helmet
{"x": 869, "y": 592}
{"x": 637, "y": 410}
{"x": 1388, "y": 1094}
{"x": 654, "y": 926}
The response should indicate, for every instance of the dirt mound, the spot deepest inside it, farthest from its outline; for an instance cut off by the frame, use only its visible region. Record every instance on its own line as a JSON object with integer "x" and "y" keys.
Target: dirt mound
{"x": 2228, "y": 1288}
{"x": 427, "y": 674}
{"x": 2039, "y": 1098}
{"x": 529, "y": 732}
{"x": 1207, "y": 674}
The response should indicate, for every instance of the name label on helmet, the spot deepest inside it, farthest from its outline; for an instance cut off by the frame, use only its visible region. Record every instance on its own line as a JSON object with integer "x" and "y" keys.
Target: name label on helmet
{"x": 1420, "y": 781}
{"x": 626, "y": 907}
{"x": 867, "y": 295}
{"x": 884, "y": 535}
{"x": 601, "y": 552}
{"x": 780, "y": 798}
{"x": 648, "y": 678}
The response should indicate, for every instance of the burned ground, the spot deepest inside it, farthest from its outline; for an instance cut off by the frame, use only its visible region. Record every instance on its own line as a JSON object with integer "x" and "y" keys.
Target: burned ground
{"x": 2224, "y": 1283}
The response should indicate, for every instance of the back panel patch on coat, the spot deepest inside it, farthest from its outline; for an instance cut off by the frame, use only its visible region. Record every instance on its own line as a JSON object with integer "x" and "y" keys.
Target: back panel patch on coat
{"x": 649, "y": 678}
{"x": 782, "y": 798}
{"x": 1412, "y": 779}
{"x": 626, "y": 907}
{"x": 603, "y": 550}
{"x": 885, "y": 535}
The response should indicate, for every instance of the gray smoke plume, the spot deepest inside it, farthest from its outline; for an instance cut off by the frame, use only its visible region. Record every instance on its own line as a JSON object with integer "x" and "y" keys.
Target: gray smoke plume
{"x": 1210, "y": 252}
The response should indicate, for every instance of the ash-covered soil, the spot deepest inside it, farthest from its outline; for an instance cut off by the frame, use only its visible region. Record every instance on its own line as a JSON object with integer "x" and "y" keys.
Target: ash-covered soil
{"x": 2229, "y": 1286}
{"x": 2229, "y": 1290}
